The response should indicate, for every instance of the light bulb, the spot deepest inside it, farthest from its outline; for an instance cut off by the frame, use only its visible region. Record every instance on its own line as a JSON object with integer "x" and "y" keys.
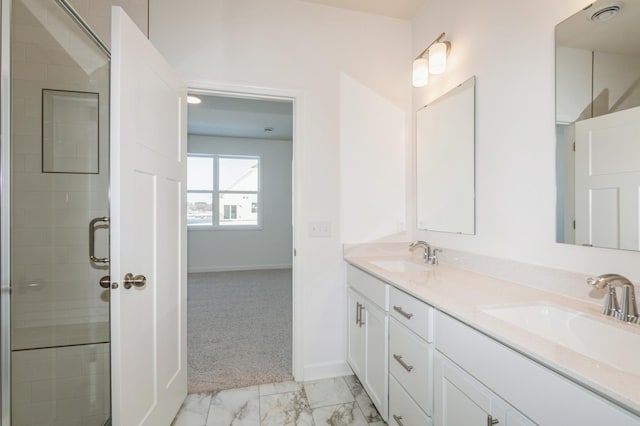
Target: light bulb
{"x": 438, "y": 58}
{"x": 420, "y": 72}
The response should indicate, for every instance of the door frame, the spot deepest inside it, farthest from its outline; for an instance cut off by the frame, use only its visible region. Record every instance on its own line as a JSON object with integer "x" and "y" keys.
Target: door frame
{"x": 297, "y": 100}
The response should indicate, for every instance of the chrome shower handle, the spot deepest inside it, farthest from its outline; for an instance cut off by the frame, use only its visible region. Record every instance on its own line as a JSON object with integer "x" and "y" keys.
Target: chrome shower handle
{"x": 92, "y": 239}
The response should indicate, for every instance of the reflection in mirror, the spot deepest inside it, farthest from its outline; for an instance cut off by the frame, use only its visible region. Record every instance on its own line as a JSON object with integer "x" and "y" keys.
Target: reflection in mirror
{"x": 597, "y": 126}
{"x": 445, "y": 156}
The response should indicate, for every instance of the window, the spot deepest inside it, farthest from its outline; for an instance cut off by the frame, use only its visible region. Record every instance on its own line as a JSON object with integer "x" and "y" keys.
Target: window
{"x": 223, "y": 191}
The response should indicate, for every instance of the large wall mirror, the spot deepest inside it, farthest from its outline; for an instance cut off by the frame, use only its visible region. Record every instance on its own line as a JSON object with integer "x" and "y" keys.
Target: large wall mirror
{"x": 445, "y": 156}
{"x": 598, "y": 126}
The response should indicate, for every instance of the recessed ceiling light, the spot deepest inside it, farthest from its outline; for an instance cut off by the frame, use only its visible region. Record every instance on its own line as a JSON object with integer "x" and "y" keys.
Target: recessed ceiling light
{"x": 193, "y": 100}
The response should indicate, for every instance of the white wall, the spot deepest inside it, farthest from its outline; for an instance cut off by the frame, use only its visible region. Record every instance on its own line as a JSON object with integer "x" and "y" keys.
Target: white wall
{"x": 269, "y": 247}
{"x": 303, "y": 48}
{"x": 509, "y": 46}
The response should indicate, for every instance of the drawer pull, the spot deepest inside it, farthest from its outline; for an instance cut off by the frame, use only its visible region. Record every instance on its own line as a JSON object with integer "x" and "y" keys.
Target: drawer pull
{"x": 402, "y": 363}
{"x": 362, "y": 308}
{"x": 401, "y": 311}
{"x": 398, "y": 420}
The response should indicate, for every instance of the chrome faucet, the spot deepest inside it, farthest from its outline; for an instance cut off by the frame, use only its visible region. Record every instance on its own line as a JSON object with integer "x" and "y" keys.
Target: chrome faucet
{"x": 430, "y": 253}
{"x": 627, "y": 309}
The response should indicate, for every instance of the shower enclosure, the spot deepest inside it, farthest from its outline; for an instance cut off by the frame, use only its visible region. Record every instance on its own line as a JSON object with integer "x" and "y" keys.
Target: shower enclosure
{"x": 55, "y": 181}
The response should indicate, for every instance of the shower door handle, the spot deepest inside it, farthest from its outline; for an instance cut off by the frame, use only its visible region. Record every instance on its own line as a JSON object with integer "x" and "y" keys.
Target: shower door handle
{"x": 92, "y": 239}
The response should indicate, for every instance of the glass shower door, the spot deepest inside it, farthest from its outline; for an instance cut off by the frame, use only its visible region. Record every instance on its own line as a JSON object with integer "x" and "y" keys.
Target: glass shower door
{"x": 59, "y": 182}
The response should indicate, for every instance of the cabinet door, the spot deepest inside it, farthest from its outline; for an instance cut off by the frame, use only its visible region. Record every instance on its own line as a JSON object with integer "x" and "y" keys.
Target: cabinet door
{"x": 462, "y": 400}
{"x": 376, "y": 352}
{"x": 459, "y": 400}
{"x": 355, "y": 333}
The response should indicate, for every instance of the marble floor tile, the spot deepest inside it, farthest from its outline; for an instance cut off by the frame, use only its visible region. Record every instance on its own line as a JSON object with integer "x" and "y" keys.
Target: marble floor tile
{"x": 322, "y": 393}
{"x": 281, "y": 387}
{"x": 364, "y": 402}
{"x": 194, "y": 410}
{"x": 339, "y": 415}
{"x": 237, "y": 407}
{"x": 285, "y": 409}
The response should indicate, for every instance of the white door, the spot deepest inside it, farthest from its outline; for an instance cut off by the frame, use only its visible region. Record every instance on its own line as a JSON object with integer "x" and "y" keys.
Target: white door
{"x": 608, "y": 180}
{"x": 148, "y": 231}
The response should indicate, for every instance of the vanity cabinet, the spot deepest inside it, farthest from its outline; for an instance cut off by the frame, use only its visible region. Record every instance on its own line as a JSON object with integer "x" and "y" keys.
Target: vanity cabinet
{"x": 477, "y": 376}
{"x": 368, "y": 332}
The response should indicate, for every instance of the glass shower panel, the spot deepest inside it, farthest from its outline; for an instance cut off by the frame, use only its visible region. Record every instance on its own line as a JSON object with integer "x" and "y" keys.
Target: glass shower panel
{"x": 59, "y": 183}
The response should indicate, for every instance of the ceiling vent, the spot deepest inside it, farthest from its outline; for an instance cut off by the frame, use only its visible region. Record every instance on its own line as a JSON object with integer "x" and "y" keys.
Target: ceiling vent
{"x": 603, "y": 14}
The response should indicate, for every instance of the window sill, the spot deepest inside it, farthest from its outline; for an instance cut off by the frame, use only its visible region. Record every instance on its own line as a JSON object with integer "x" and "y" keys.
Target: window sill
{"x": 225, "y": 228}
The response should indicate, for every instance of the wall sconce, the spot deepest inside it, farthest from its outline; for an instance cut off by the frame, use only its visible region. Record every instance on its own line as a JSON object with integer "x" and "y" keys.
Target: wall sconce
{"x": 437, "y": 53}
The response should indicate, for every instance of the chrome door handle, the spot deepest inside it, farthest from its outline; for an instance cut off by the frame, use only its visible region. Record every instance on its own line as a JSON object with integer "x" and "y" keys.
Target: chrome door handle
{"x": 357, "y": 313}
{"x": 92, "y": 239}
{"x": 105, "y": 282}
{"x": 362, "y": 309}
{"x": 402, "y": 363}
{"x": 491, "y": 421}
{"x": 401, "y": 311}
{"x": 139, "y": 281}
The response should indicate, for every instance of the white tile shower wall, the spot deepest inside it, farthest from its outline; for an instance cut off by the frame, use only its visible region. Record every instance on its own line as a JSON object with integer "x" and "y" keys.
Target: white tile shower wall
{"x": 61, "y": 386}
{"x": 52, "y": 278}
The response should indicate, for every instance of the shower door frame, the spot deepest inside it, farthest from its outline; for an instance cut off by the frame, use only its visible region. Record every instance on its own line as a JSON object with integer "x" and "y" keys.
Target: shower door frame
{"x": 5, "y": 196}
{"x": 5, "y": 192}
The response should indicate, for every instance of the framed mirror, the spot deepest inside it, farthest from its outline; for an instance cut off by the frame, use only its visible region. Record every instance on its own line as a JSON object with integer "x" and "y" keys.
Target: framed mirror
{"x": 598, "y": 126}
{"x": 445, "y": 156}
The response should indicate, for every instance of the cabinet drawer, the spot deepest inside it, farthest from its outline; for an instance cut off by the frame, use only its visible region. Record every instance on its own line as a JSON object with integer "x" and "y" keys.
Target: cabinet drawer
{"x": 403, "y": 411}
{"x": 412, "y": 313}
{"x": 372, "y": 288}
{"x": 411, "y": 363}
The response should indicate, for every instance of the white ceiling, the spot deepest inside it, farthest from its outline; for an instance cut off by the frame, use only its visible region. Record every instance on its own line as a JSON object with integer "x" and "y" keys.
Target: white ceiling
{"x": 402, "y": 9}
{"x": 241, "y": 118}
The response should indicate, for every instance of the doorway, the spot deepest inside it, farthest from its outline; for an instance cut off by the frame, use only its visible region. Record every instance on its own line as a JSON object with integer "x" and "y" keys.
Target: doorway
{"x": 240, "y": 241}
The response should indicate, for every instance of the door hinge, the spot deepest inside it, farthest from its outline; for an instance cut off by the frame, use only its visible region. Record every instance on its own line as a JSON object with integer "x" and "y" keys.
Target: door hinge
{"x": 574, "y": 224}
{"x": 295, "y": 252}
{"x": 574, "y": 147}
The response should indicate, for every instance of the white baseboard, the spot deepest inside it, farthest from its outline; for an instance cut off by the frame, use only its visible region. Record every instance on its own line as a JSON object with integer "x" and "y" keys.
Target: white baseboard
{"x": 326, "y": 370}
{"x": 236, "y": 268}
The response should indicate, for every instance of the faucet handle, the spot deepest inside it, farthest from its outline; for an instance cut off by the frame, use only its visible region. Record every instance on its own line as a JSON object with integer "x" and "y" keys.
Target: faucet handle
{"x": 629, "y": 309}
{"x": 433, "y": 256}
{"x": 611, "y": 307}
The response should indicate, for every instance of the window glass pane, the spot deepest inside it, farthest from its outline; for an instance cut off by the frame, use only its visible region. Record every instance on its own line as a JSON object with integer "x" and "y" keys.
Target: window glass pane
{"x": 238, "y": 174}
{"x": 238, "y": 209}
{"x": 199, "y": 209}
{"x": 200, "y": 173}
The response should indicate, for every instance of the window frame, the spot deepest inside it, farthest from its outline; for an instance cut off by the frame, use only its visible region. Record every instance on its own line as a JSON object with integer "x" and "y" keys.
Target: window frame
{"x": 216, "y": 192}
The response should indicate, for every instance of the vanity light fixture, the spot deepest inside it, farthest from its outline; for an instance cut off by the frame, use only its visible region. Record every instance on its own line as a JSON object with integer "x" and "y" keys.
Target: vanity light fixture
{"x": 437, "y": 53}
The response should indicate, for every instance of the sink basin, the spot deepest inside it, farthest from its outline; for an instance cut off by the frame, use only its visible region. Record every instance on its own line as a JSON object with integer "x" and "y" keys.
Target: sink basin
{"x": 400, "y": 265}
{"x": 616, "y": 345}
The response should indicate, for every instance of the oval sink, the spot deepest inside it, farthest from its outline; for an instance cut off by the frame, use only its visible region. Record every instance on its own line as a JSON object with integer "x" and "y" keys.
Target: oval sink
{"x": 599, "y": 339}
{"x": 400, "y": 265}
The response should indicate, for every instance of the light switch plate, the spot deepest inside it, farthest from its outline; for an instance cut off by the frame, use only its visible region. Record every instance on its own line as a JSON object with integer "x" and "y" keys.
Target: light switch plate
{"x": 319, "y": 229}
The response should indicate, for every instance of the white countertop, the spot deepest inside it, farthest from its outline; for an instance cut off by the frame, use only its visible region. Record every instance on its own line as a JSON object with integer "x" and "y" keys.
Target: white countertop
{"x": 462, "y": 294}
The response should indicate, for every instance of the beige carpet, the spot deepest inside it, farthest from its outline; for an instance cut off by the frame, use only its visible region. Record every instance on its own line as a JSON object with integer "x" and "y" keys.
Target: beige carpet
{"x": 239, "y": 329}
